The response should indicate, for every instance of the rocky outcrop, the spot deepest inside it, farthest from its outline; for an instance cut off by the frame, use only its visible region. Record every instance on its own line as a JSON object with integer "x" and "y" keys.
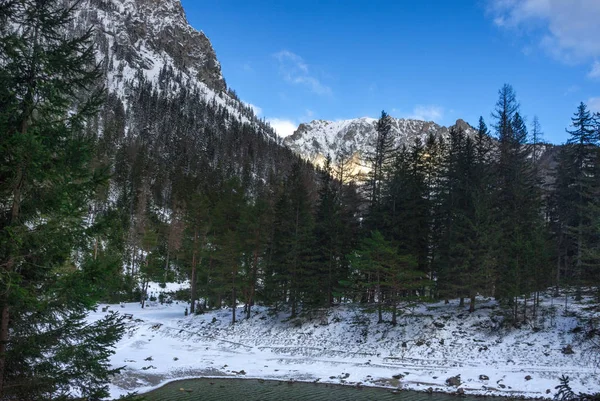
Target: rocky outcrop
{"x": 319, "y": 138}
{"x": 146, "y": 36}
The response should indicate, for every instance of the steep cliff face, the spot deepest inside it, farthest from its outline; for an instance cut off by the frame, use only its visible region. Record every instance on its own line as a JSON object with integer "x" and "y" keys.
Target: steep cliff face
{"x": 319, "y": 138}
{"x": 169, "y": 115}
{"x": 144, "y": 36}
{"x": 142, "y": 42}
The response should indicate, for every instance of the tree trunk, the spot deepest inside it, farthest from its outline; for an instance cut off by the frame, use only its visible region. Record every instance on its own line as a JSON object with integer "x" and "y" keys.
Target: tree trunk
{"x": 8, "y": 267}
{"x": 167, "y": 265}
{"x": 252, "y": 284}
{"x": 144, "y": 291}
{"x": 194, "y": 278}
{"x": 4, "y": 332}
{"x": 379, "y": 300}
{"x": 233, "y": 303}
{"x": 472, "y": 304}
{"x": 556, "y": 290}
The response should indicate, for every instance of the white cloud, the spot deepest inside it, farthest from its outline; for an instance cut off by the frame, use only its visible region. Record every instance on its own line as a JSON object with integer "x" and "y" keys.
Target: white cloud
{"x": 283, "y": 127}
{"x": 566, "y": 29}
{"x": 593, "y": 104}
{"x": 427, "y": 113}
{"x": 294, "y": 69}
{"x": 595, "y": 71}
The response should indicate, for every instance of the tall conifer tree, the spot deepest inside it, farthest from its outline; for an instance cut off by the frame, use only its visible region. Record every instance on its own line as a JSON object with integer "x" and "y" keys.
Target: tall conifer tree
{"x": 47, "y": 350}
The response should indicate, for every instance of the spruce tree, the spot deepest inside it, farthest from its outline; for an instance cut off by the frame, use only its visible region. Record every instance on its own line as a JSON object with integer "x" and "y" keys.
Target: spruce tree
{"x": 577, "y": 192}
{"x": 327, "y": 235}
{"x": 518, "y": 204}
{"x": 47, "y": 96}
{"x": 379, "y": 161}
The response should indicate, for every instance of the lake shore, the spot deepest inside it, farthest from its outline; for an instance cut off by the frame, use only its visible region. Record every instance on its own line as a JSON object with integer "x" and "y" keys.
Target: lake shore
{"x": 434, "y": 347}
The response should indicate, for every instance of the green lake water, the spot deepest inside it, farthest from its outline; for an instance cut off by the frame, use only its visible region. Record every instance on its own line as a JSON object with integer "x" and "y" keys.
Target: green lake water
{"x": 266, "y": 390}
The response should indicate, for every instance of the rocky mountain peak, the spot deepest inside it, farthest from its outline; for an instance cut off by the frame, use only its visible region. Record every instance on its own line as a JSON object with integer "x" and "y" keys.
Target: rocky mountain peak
{"x": 148, "y": 34}
{"x": 319, "y": 138}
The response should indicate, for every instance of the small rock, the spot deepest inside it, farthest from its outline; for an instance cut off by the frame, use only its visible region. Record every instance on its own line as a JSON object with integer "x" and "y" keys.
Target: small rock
{"x": 439, "y": 325}
{"x": 460, "y": 391}
{"x": 502, "y": 385}
{"x": 398, "y": 376}
{"x": 453, "y": 381}
{"x": 568, "y": 350}
{"x": 429, "y": 390}
{"x": 442, "y": 341}
{"x": 403, "y": 344}
{"x": 548, "y": 391}
{"x": 419, "y": 343}
{"x": 528, "y": 377}
{"x": 484, "y": 377}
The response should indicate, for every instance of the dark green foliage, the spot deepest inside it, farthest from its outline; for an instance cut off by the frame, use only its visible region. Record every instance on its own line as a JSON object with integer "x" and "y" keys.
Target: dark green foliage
{"x": 565, "y": 393}
{"x": 380, "y": 159}
{"x": 518, "y": 205}
{"x": 291, "y": 273}
{"x": 50, "y": 274}
{"x": 576, "y": 201}
{"x": 465, "y": 261}
{"x": 196, "y": 195}
{"x": 385, "y": 273}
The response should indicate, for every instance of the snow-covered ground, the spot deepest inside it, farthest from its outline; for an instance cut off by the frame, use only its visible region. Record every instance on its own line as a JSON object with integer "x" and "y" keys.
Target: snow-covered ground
{"x": 345, "y": 345}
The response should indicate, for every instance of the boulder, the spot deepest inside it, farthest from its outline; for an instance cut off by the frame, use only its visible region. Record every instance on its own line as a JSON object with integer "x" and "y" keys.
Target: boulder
{"x": 568, "y": 350}
{"x": 453, "y": 381}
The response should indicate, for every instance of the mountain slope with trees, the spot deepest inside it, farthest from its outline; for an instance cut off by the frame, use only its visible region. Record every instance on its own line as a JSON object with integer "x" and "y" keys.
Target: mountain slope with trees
{"x": 130, "y": 163}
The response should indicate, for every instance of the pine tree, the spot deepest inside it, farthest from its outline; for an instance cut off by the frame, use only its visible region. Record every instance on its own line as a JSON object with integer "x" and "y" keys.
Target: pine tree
{"x": 379, "y": 161}
{"x": 327, "y": 235}
{"x": 518, "y": 204}
{"x": 292, "y": 253}
{"x": 47, "y": 350}
{"x": 389, "y": 273}
{"x": 577, "y": 191}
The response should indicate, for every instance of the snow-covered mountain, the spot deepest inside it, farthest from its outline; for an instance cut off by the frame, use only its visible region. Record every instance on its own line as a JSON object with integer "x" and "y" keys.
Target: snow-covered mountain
{"x": 151, "y": 41}
{"x": 319, "y": 138}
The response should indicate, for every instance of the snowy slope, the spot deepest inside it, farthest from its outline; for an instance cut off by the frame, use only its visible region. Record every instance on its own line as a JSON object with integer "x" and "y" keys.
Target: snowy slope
{"x": 345, "y": 345}
{"x": 319, "y": 138}
{"x": 151, "y": 41}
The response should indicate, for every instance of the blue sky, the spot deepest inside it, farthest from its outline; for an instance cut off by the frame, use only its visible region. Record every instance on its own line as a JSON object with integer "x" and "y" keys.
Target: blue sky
{"x": 438, "y": 60}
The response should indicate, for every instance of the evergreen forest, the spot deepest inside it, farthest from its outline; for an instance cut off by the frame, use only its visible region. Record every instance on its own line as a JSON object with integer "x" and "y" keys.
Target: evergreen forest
{"x": 101, "y": 194}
